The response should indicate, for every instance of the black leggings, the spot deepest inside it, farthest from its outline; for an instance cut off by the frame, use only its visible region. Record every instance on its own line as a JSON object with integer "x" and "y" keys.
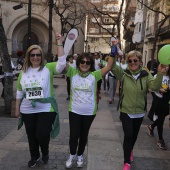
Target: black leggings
{"x": 79, "y": 130}
{"x": 38, "y": 128}
{"x": 131, "y": 128}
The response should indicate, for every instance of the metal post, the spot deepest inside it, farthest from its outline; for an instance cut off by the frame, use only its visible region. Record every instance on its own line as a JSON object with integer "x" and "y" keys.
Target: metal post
{"x": 49, "y": 53}
{"x": 29, "y": 23}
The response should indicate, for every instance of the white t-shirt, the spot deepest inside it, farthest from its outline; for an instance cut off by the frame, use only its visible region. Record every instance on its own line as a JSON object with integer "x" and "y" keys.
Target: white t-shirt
{"x": 96, "y": 64}
{"x": 83, "y": 98}
{"x": 72, "y": 64}
{"x": 165, "y": 85}
{"x": 33, "y": 78}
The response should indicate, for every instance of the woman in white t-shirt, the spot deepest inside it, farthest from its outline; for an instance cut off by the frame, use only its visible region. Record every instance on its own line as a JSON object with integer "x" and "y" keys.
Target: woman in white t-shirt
{"x": 83, "y": 103}
{"x": 161, "y": 108}
{"x": 35, "y": 100}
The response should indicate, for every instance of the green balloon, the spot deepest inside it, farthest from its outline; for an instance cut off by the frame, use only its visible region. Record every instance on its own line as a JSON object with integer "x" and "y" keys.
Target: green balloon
{"x": 164, "y": 55}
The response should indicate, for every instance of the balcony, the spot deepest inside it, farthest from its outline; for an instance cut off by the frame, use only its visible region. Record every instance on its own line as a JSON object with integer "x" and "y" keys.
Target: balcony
{"x": 165, "y": 32}
{"x": 150, "y": 32}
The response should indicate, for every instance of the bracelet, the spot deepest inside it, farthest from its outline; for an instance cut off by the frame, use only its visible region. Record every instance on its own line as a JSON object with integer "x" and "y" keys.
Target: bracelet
{"x": 59, "y": 44}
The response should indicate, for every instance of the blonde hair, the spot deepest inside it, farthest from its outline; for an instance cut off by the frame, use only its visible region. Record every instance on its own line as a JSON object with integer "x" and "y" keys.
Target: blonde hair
{"x": 134, "y": 53}
{"x": 27, "y": 62}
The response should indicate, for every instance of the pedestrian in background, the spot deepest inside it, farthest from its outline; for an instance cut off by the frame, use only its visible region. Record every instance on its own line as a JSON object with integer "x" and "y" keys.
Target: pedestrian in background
{"x": 135, "y": 83}
{"x": 20, "y": 60}
{"x": 98, "y": 66}
{"x": 153, "y": 71}
{"x": 72, "y": 64}
{"x": 83, "y": 103}
{"x": 35, "y": 100}
{"x": 161, "y": 108}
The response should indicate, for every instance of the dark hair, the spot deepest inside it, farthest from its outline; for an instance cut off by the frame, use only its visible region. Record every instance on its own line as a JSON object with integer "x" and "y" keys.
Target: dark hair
{"x": 69, "y": 56}
{"x": 20, "y": 53}
{"x": 88, "y": 56}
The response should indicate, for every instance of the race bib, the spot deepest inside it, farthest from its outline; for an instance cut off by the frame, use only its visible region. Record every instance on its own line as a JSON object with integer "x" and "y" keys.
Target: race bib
{"x": 34, "y": 93}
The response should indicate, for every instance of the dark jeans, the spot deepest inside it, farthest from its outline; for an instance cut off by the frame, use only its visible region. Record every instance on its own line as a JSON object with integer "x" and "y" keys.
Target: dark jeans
{"x": 131, "y": 128}
{"x": 161, "y": 109}
{"x": 68, "y": 85}
{"x": 79, "y": 130}
{"x": 38, "y": 128}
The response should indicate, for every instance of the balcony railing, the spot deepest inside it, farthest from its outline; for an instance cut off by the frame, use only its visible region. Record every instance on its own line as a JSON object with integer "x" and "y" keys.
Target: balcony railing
{"x": 165, "y": 29}
{"x": 150, "y": 32}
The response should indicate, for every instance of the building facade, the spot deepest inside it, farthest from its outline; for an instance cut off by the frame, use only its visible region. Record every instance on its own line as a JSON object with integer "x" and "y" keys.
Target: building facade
{"x": 100, "y": 18}
{"x": 15, "y": 23}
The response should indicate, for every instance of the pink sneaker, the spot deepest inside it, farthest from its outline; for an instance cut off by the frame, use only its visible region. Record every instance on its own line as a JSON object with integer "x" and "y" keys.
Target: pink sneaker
{"x": 131, "y": 156}
{"x": 126, "y": 166}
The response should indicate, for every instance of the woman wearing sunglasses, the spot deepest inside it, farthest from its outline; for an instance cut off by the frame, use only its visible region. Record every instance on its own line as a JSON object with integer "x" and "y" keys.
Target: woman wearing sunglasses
{"x": 132, "y": 105}
{"x": 83, "y": 103}
{"x": 35, "y": 100}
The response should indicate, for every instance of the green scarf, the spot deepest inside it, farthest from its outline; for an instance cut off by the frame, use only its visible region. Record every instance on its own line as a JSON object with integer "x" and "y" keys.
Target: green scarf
{"x": 135, "y": 72}
{"x": 83, "y": 74}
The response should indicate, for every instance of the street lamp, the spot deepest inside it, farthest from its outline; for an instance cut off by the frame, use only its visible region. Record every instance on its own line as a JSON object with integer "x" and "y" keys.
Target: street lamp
{"x": 16, "y": 7}
{"x": 132, "y": 27}
{"x": 29, "y": 19}
{"x": 49, "y": 52}
{"x": 86, "y": 42}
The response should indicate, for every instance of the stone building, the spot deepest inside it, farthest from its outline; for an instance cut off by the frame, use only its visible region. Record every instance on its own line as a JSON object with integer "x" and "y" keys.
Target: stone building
{"x": 15, "y": 23}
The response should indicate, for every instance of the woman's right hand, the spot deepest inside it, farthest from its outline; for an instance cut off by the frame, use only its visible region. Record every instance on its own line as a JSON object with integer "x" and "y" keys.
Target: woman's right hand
{"x": 17, "y": 113}
{"x": 59, "y": 38}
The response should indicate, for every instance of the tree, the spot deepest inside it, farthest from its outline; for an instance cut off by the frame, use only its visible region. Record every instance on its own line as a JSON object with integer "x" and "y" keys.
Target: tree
{"x": 72, "y": 14}
{"x": 8, "y": 75}
{"x": 105, "y": 10}
{"x": 158, "y": 29}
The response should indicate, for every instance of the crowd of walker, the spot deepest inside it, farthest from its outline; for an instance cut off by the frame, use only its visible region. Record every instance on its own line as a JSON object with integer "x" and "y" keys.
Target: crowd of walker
{"x": 121, "y": 75}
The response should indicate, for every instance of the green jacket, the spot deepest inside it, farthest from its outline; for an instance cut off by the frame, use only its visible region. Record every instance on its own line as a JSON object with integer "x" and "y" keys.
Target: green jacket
{"x": 56, "y": 124}
{"x": 133, "y": 97}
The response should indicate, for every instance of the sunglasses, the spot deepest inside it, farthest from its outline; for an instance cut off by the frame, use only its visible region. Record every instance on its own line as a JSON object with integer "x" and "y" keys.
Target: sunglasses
{"x": 33, "y": 55}
{"x": 87, "y": 62}
{"x": 135, "y": 61}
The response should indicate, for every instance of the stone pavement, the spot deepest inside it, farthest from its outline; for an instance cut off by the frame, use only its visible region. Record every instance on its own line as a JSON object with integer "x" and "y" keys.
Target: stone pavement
{"x": 104, "y": 148}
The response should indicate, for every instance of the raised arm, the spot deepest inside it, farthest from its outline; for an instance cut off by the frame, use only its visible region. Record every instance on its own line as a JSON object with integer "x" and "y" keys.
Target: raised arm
{"x": 61, "y": 64}
{"x": 61, "y": 54}
{"x": 106, "y": 69}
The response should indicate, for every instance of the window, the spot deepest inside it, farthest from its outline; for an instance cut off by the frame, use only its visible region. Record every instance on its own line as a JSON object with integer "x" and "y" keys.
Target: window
{"x": 95, "y": 0}
{"x": 108, "y": 20}
{"x": 93, "y": 20}
{"x": 108, "y": 27}
{"x": 94, "y": 30}
{"x": 110, "y": 7}
{"x": 94, "y": 40}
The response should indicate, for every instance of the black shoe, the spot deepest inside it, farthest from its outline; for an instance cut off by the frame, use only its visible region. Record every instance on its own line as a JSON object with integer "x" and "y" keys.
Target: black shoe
{"x": 33, "y": 163}
{"x": 161, "y": 144}
{"x": 45, "y": 159}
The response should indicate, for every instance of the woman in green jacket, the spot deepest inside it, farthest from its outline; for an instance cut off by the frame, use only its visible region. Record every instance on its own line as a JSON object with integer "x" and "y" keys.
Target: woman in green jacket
{"x": 132, "y": 104}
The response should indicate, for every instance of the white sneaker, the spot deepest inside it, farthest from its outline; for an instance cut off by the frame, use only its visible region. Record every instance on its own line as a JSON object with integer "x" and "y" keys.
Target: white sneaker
{"x": 80, "y": 161}
{"x": 70, "y": 161}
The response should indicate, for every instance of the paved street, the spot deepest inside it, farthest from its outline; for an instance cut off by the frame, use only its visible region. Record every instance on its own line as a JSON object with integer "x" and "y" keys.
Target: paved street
{"x": 104, "y": 149}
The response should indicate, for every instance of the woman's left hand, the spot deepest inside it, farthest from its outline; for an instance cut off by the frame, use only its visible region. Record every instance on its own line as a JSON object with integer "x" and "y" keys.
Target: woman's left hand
{"x": 162, "y": 68}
